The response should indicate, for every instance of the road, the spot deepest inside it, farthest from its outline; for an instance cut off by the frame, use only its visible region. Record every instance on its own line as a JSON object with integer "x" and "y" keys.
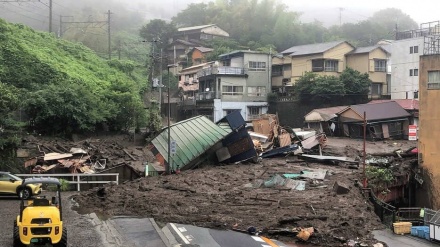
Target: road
{"x": 81, "y": 231}
{"x": 203, "y": 237}
{"x": 394, "y": 240}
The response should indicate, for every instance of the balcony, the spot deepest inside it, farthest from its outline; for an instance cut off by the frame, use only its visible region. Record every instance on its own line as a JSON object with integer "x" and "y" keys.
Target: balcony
{"x": 205, "y": 96}
{"x": 222, "y": 70}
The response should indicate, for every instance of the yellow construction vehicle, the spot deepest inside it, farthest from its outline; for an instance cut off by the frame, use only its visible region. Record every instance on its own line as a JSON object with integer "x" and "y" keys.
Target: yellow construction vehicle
{"x": 40, "y": 220}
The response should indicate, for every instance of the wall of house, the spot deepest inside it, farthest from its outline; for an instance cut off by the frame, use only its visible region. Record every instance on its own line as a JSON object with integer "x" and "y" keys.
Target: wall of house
{"x": 197, "y": 55}
{"x": 302, "y": 64}
{"x": 378, "y": 77}
{"x": 258, "y": 78}
{"x": 402, "y": 84}
{"x": 350, "y": 115}
{"x": 429, "y": 134}
{"x": 277, "y": 81}
{"x": 221, "y": 106}
{"x": 358, "y": 62}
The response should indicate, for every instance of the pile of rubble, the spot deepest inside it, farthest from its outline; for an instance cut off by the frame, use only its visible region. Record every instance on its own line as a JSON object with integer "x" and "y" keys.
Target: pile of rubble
{"x": 86, "y": 156}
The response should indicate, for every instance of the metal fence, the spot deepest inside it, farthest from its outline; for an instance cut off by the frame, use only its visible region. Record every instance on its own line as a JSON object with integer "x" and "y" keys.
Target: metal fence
{"x": 79, "y": 178}
{"x": 385, "y": 211}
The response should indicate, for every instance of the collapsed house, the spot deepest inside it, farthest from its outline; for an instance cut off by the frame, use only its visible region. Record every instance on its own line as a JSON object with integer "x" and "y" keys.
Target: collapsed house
{"x": 198, "y": 139}
{"x": 383, "y": 120}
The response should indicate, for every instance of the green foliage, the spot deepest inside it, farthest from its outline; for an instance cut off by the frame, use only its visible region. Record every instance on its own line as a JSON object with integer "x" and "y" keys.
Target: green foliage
{"x": 65, "y": 87}
{"x": 310, "y": 86}
{"x": 158, "y": 31}
{"x": 378, "y": 177}
{"x": 269, "y": 22}
{"x": 272, "y": 97}
{"x": 328, "y": 87}
{"x": 64, "y": 184}
{"x": 354, "y": 82}
{"x": 9, "y": 102}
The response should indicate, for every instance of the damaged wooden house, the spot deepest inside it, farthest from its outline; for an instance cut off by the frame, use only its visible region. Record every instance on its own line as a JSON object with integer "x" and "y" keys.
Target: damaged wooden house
{"x": 198, "y": 139}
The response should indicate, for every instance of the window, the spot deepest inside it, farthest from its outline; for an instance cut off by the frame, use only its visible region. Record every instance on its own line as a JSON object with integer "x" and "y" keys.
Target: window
{"x": 254, "y": 112}
{"x": 331, "y": 65}
{"x": 434, "y": 79}
{"x": 413, "y": 49}
{"x": 205, "y": 36}
{"x": 257, "y": 66}
{"x": 380, "y": 65}
{"x": 414, "y": 72}
{"x": 256, "y": 91}
{"x": 277, "y": 70}
{"x": 227, "y": 63}
{"x": 376, "y": 89}
{"x": 317, "y": 65}
{"x": 232, "y": 90}
{"x": 416, "y": 95}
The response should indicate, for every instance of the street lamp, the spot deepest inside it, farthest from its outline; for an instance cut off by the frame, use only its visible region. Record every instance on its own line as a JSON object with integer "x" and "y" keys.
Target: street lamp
{"x": 169, "y": 166}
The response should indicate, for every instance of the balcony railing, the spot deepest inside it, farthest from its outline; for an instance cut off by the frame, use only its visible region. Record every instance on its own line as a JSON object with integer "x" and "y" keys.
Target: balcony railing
{"x": 205, "y": 96}
{"x": 222, "y": 70}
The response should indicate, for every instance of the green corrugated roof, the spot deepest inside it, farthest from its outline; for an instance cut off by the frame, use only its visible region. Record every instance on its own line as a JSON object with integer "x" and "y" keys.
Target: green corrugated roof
{"x": 193, "y": 137}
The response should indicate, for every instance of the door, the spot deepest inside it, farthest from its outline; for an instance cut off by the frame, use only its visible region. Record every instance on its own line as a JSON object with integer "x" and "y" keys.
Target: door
{"x": 6, "y": 185}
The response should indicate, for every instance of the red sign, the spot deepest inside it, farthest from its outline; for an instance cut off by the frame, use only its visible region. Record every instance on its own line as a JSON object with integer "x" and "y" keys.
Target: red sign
{"x": 412, "y": 132}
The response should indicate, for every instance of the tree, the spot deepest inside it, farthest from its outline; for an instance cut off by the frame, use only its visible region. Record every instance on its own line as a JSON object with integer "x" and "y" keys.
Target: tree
{"x": 354, "y": 82}
{"x": 328, "y": 87}
{"x": 392, "y": 18}
{"x": 158, "y": 31}
{"x": 304, "y": 85}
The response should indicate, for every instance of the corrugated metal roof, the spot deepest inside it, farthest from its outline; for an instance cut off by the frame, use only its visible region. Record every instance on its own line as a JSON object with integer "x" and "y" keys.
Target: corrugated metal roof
{"x": 379, "y": 111}
{"x": 193, "y": 137}
{"x": 203, "y": 49}
{"x": 311, "y": 48}
{"x": 183, "y": 29}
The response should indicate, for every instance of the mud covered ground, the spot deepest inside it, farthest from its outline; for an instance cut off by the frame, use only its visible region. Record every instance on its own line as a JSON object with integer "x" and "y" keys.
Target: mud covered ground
{"x": 220, "y": 197}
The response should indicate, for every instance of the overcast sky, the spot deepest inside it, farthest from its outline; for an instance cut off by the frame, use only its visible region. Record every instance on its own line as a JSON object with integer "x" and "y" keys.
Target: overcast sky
{"x": 354, "y": 10}
{"x": 420, "y": 11}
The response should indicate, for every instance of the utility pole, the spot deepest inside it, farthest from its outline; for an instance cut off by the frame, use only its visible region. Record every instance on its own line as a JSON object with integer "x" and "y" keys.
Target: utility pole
{"x": 340, "y": 16}
{"x": 50, "y": 16}
{"x": 109, "y": 35}
{"x": 161, "y": 84}
{"x": 365, "y": 152}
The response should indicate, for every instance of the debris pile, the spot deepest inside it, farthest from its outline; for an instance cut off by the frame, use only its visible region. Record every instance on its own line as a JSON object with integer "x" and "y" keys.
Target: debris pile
{"x": 87, "y": 156}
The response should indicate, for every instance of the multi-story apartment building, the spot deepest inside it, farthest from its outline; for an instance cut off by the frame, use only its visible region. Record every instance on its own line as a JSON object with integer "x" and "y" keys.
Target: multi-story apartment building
{"x": 407, "y": 48}
{"x": 239, "y": 81}
{"x": 429, "y": 128}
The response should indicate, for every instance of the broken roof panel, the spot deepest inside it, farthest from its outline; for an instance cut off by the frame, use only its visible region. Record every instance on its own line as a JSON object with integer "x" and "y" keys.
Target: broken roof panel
{"x": 193, "y": 137}
{"x": 323, "y": 114}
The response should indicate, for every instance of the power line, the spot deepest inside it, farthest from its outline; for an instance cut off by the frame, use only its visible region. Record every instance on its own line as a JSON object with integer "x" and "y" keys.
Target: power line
{"x": 15, "y": 12}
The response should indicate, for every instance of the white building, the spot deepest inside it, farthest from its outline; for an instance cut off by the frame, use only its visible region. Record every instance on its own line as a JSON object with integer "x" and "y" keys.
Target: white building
{"x": 406, "y": 51}
{"x": 405, "y": 68}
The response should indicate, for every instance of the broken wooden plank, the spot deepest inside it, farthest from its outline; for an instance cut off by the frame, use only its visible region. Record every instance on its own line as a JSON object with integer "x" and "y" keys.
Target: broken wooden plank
{"x": 129, "y": 155}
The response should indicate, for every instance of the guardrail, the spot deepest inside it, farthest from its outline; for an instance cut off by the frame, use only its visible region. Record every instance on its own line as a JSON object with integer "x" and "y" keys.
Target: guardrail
{"x": 77, "y": 178}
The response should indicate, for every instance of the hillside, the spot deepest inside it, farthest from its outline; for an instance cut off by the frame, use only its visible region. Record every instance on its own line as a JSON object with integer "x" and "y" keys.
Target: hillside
{"x": 65, "y": 87}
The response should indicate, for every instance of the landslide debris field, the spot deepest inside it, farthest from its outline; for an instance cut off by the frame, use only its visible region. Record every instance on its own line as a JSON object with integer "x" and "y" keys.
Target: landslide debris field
{"x": 230, "y": 197}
